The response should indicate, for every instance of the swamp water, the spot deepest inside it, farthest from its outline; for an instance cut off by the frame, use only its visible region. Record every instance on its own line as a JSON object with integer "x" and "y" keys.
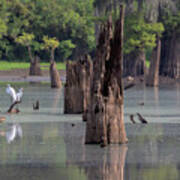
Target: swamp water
{"x": 48, "y": 146}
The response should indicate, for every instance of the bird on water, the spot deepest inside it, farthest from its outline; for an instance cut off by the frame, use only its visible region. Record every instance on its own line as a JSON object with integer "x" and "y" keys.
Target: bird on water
{"x": 141, "y": 119}
{"x": 132, "y": 118}
{"x": 14, "y": 96}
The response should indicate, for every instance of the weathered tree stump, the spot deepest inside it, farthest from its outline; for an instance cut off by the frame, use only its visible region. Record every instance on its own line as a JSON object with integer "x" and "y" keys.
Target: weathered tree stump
{"x": 35, "y": 69}
{"x": 87, "y": 71}
{"x": 170, "y": 53}
{"x": 77, "y": 86}
{"x": 54, "y": 75}
{"x": 105, "y": 120}
{"x": 134, "y": 64}
{"x": 153, "y": 75}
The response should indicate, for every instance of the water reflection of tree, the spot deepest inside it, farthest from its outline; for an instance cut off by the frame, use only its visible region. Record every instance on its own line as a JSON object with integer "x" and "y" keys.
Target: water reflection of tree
{"x": 56, "y": 99}
{"x": 114, "y": 162}
{"x": 97, "y": 163}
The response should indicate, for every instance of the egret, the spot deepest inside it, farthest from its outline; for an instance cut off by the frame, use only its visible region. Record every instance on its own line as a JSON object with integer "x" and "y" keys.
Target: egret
{"x": 19, "y": 95}
{"x": 15, "y": 96}
{"x": 11, "y": 91}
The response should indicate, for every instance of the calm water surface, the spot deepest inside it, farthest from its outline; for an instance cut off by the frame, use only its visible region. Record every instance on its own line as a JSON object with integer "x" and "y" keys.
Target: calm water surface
{"x": 47, "y": 146}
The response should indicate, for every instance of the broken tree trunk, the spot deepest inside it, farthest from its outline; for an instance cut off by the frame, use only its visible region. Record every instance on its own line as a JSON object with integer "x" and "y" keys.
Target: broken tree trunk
{"x": 140, "y": 63}
{"x": 87, "y": 70}
{"x": 12, "y": 109}
{"x": 134, "y": 64}
{"x": 105, "y": 120}
{"x": 35, "y": 69}
{"x": 170, "y": 53}
{"x": 78, "y": 75}
{"x": 153, "y": 76}
{"x": 54, "y": 75}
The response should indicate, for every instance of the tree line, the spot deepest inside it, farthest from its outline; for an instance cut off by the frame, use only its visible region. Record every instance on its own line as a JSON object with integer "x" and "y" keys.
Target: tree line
{"x": 27, "y": 23}
{"x": 72, "y": 28}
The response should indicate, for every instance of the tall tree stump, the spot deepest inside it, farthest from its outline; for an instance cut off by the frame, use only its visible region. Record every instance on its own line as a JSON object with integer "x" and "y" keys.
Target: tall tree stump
{"x": 77, "y": 85}
{"x": 54, "y": 76}
{"x": 153, "y": 76}
{"x": 35, "y": 69}
{"x": 105, "y": 120}
{"x": 135, "y": 64}
{"x": 87, "y": 77}
{"x": 170, "y": 53}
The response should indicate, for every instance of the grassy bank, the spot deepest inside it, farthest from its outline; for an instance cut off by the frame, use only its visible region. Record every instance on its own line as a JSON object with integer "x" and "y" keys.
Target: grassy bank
{"x": 4, "y": 65}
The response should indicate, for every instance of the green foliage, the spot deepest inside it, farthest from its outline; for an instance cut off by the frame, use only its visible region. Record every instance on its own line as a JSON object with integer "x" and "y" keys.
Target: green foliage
{"x": 3, "y": 28}
{"x": 50, "y": 43}
{"x": 66, "y": 48}
{"x": 26, "y": 39}
{"x": 171, "y": 21}
{"x": 140, "y": 35}
{"x": 63, "y": 19}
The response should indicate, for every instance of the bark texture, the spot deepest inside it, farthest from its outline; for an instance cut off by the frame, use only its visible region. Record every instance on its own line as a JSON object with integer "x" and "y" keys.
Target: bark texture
{"x": 105, "y": 120}
{"x": 170, "y": 55}
{"x": 77, "y": 87}
{"x": 54, "y": 75}
{"x": 134, "y": 64}
{"x": 153, "y": 75}
{"x": 35, "y": 69}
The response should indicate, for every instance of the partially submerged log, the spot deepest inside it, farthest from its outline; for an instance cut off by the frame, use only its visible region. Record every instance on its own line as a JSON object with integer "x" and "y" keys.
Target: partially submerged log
{"x": 54, "y": 75}
{"x": 78, "y": 75}
{"x": 12, "y": 109}
{"x": 105, "y": 120}
{"x": 128, "y": 86}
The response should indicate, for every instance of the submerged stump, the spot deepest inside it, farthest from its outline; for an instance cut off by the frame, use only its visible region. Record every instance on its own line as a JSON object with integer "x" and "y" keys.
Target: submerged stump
{"x": 105, "y": 119}
{"x": 54, "y": 75}
{"x": 78, "y": 75}
{"x": 35, "y": 69}
{"x": 153, "y": 75}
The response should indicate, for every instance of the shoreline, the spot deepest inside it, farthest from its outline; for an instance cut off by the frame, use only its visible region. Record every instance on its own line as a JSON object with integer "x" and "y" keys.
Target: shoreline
{"x": 22, "y": 75}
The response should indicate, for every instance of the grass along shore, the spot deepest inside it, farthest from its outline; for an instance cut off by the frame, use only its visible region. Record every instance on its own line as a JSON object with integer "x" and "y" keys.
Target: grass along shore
{"x": 5, "y": 65}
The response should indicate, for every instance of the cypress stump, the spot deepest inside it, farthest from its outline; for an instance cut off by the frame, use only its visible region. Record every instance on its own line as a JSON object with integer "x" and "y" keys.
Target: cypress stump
{"x": 78, "y": 75}
{"x": 153, "y": 75}
{"x": 105, "y": 119}
{"x": 170, "y": 55}
{"x": 35, "y": 69}
{"x": 54, "y": 75}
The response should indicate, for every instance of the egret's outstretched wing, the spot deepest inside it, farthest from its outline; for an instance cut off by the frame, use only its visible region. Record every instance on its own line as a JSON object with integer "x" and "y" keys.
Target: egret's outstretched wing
{"x": 11, "y": 91}
{"x": 19, "y": 94}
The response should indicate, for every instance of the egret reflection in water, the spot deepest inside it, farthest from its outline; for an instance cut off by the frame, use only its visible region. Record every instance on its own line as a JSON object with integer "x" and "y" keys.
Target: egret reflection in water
{"x": 13, "y": 132}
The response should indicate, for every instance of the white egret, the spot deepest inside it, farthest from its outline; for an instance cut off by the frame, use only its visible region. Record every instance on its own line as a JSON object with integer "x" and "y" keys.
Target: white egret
{"x": 19, "y": 94}
{"x": 11, "y": 91}
{"x": 15, "y": 96}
